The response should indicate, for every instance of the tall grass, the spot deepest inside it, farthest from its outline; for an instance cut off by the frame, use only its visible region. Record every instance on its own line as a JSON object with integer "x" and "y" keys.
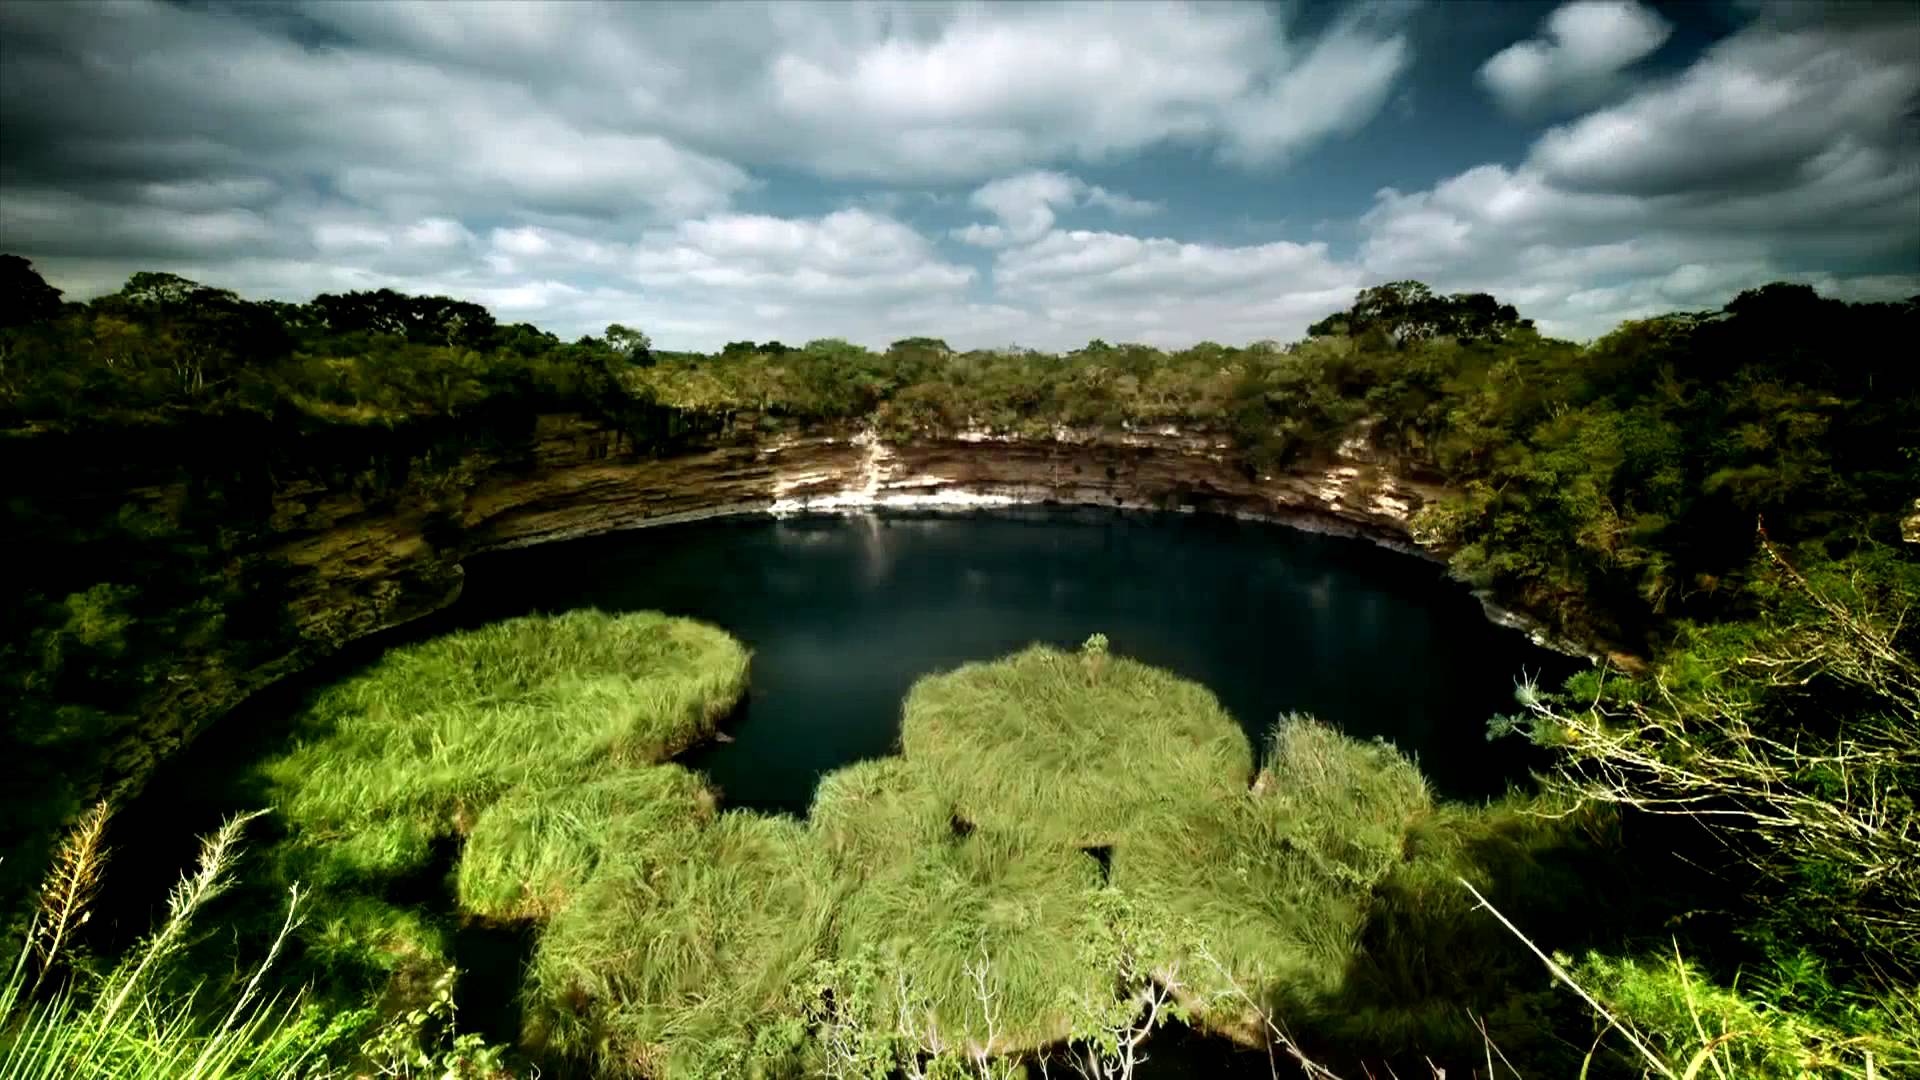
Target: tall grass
{"x": 667, "y": 950}
{"x": 126, "y": 1024}
{"x": 417, "y": 746}
{"x": 1075, "y": 749}
{"x": 535, "y": 848}
{"x": 988, "y": 932}
{"x": 526, "y": 758}
{"x": 1271, "y": 886}
{"x": 875, "y": 814}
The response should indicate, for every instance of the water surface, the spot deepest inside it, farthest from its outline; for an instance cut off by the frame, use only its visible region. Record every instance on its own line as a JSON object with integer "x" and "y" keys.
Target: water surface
{"x": 843, "y": 613}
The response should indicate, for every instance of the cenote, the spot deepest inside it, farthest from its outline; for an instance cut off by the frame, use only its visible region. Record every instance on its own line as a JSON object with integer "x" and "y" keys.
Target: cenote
{"x": 843, "y": 613}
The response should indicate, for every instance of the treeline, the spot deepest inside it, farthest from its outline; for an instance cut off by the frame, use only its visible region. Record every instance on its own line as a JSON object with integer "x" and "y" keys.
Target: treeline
{"x": 1613, "y": 485}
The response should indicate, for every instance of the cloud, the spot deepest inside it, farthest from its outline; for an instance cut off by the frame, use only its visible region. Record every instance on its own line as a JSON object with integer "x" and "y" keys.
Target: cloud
{"x": 1586, "y": 47}
{"x": 1026, "y": 205}
{"x": 1079, "y": 284}
{"x": 1756, "y": 113}
{"x": 1339, "y": 85}
{"x": 846, "y": 255}
{"x": 800, "y": 173}
{"x": 912, "y": 92}
{"x": 1783, "y": 151}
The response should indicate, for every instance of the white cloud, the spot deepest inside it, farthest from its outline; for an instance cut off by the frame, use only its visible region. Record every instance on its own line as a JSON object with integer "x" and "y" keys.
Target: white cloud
{"x": 846, "y": 255}
{"x": 1337, "y": 87}
{"x": 1754, "y": 114}
{"x": 1026, "y": 205}
{"x": 926, "y": 92}
{"x": 1588, "y": 44}
{"x": 1081, "y": 284}
{"x": 1783, "y": 149}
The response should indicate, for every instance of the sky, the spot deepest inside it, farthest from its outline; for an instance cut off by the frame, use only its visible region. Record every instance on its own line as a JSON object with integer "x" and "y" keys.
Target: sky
{"x": 994, "y": 175}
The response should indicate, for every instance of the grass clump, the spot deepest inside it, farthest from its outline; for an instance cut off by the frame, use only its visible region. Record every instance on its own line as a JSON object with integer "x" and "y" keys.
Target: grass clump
{"x": 1076, "y": 749}
{"x": 985, "y": 937}
{"x": 874, "y": 814}
{"x": 534, "y": 849}
{"x": 666, "y": 953}
{"x": 1269, "y": 888}
{"x": 415, "y": 747}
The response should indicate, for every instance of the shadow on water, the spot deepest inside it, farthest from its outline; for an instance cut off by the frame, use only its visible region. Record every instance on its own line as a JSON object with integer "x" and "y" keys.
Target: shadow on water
{"x": 843, "y": 614}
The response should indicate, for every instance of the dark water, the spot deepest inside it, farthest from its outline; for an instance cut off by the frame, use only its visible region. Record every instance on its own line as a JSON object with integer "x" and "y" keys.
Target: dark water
{"x": 842, "y": 614}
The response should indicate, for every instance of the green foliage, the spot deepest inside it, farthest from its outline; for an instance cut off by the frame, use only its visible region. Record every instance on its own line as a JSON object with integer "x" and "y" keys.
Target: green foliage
{"x": 1796, "y": 737}
{"x": 669, "y": 948}
{"x": 1698, "y": 1028}
{"x": 418, "y": 746}
{"x": 1077, "y": 750}
{"x": 1271, "y": 885}
{"x": 426, "y": 1042}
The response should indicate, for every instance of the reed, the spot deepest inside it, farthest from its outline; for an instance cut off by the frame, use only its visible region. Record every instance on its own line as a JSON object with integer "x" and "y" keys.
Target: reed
{"x": 128, "y": 1023}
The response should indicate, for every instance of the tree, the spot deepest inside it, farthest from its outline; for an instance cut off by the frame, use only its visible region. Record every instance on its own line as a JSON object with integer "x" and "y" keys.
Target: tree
{"x": 197, "y": 330}
{"x": 921, "y": 344}
{"x": 24, "y": 296}
{"x": 631, "y": 344}
{"x": 421, "y": 320}
{"x": 1408, "y": 312}
{"x": 156, "y": 290}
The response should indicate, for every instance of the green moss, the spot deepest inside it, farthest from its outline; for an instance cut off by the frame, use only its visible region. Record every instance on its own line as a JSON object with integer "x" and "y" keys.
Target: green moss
{"x": 667, "y": 950}
{"x": 1072, "y": 749}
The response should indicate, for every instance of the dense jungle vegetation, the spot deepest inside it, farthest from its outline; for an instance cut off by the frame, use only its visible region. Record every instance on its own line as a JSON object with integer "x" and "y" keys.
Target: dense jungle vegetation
{"x": 1719, "y": 876}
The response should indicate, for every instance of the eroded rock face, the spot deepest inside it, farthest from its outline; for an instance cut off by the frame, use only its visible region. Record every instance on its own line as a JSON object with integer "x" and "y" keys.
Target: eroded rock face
{"x": 354, "y": 560}
{"x": 581, "y": 485}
